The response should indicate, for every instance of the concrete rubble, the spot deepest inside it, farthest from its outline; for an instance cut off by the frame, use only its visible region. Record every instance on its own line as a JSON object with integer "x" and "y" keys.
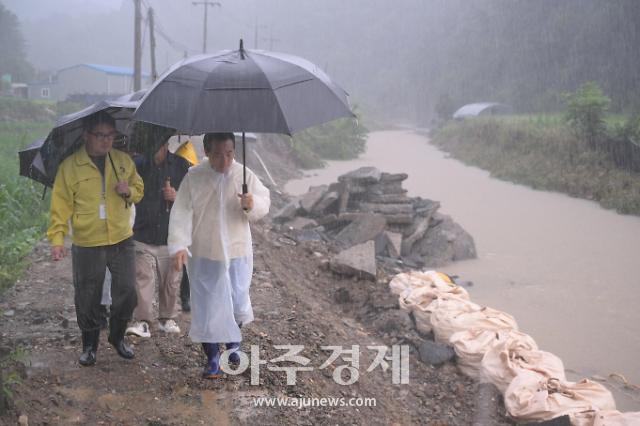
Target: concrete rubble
{"x": 369, "y": 206}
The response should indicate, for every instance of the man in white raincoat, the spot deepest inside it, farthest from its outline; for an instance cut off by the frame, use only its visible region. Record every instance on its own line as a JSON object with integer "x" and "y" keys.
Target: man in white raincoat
{"x": 210, "y": 222}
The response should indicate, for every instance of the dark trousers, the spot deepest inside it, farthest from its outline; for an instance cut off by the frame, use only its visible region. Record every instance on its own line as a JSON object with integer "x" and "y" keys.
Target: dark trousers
{"x": 89, "y": 266}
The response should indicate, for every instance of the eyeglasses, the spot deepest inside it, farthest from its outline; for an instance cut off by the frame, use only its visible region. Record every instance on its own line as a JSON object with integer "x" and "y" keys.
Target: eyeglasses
{"x": 103, "y": 136}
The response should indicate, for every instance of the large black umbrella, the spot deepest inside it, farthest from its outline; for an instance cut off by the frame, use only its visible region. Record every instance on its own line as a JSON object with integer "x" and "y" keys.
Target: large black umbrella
{"x": 40, "y": 160}
{"x": 243, "y": 91}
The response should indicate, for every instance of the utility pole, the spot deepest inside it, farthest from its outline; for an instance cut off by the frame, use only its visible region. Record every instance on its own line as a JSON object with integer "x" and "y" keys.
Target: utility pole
{"x": 152, "y": 45}
{"x": 137, "y": 46}
{"x": 206, "y": 5}
{"x": 271, "y": 39}
{"x": 256, "y": 27}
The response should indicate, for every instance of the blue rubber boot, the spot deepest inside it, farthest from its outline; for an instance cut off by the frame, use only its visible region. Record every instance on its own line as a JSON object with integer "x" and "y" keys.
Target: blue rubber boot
{"x": 234, "y": 358}
{"x": 212, "y": 369}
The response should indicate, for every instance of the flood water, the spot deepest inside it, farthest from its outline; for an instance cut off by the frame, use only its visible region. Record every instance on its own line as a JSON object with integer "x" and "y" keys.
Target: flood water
{"x": 565, "y": 268}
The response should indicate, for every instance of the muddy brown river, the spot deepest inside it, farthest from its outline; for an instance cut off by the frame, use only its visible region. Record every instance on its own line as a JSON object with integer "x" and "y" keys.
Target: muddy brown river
{"x": 565, "y": 268}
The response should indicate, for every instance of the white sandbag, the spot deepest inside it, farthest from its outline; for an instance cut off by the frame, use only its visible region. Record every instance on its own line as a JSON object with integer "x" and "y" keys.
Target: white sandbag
{"x": 503, "y": 361}
{"x": 452, "y": 315}
{"x": 418, "y": 279}
{"x": 532, "y": 397}
{"x": 417, "y": 290}
{"x": 444, "y": 311}
{"x": 606, "y": 418}
{"x": 472, "y": 345}
{"x": 418, "y": 300}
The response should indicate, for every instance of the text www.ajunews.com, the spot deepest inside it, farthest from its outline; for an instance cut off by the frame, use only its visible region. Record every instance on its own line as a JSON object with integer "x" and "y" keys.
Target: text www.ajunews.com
{"x": 304, "y": 402}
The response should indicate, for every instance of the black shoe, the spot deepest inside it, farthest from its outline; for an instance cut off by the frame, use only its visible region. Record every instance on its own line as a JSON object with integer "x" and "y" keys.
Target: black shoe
{"x": 117, "y": 328}
{"x": 122, "y": 348}
{"x": 90, "y": 340}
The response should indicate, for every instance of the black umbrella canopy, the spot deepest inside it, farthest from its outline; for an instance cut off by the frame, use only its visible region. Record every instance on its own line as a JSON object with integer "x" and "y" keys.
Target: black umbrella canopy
{"x": 40, "y": 160}
{"x": 66, "y": 136}
{"x": 31, "y": 164}
{"x": 245, "y": 91}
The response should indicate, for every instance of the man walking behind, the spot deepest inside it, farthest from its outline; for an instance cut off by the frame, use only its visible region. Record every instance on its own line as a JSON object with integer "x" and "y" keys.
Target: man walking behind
{"x": 162, "y": 174}
{"x": 94, "y": 189}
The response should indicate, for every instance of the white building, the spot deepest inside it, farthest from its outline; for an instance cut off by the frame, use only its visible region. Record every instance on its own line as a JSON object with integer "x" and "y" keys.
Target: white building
{"x": 86, "y": 79}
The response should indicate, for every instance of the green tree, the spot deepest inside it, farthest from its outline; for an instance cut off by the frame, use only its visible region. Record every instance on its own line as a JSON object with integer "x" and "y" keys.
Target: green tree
{"x": 586, "y": 109}
{"x": 12, "y": 48}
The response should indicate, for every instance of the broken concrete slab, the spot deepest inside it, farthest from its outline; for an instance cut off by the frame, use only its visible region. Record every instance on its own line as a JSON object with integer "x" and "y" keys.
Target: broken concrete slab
{"x": 362, "y": 176}
{"x": 288, "y": 212}
{"x": 393, "y": 177}
{"x": 359, "y": 260}
{"x": 389, "y": 198}
{"x": 327, "y": 200}
{"x": 314, "y": 195}
{"x": 394, "y": 244}
{"x": 362, "y": 229}
{"x": 390, "y": 209}
{"x": 388, "y": 244}
{"x": 445, "y": 242}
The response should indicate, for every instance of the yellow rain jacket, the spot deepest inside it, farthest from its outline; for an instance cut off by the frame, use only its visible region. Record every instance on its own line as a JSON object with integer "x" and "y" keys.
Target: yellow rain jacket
{"x": 77, "y": 196}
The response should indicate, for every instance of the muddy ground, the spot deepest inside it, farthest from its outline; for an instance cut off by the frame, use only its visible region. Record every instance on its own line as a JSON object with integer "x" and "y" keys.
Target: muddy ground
{"x": 296, "y": 301}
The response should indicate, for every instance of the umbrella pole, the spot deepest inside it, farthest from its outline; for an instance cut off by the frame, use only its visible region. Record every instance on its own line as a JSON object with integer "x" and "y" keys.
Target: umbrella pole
{"x": 244, "y": 166}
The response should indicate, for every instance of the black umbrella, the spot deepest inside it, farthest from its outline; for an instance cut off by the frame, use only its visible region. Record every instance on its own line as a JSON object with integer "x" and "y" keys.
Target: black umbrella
{"x": 243, "y": 91}
{"x": 31, "y": 164}
{"x": 40, "y": 160}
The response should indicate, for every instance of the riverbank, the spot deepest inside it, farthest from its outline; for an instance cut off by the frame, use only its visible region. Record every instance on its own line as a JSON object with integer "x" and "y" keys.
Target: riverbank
{"x": 542, "y": 154}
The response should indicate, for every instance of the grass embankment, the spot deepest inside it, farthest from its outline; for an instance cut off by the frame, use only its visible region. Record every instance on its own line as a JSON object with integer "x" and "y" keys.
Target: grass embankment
{"x": 543, "y": 153}
{"x": 23, "y": 213}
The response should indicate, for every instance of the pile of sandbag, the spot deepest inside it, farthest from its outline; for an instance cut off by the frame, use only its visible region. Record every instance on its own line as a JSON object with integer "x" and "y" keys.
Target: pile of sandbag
{"x": 490, "y": 348}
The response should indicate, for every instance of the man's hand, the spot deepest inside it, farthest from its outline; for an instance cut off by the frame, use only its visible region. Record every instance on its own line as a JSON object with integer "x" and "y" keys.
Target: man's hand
{"x": 246, "y": 201}
{"x": 122, "y": 188}
{"x": 58, "y": 252}
{"x": 179, "y": 260}
{"x": 169, "y": 193}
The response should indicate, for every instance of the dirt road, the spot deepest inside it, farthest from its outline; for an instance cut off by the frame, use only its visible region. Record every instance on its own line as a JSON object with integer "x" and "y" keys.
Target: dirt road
{"x": 296, "y": 300}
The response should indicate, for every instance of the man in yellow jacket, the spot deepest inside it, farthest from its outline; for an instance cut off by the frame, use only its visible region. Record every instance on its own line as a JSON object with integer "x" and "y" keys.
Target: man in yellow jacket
{"x": 93, "y": 190}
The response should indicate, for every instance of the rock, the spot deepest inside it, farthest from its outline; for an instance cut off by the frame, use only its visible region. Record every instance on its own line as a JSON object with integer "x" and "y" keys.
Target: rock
{"x": 393, "y": 177}
{"x": 342, "y": 296}
{"x": 388, "y": 198}
{"x": 307, "y": 234}
{"x": 399, "y": 219}
{"x": 359, "y": 260}
{"x": 420, "y": 229}
{"x": 363, "y": 229}
{"x": 394, "y": 244}
{"x": 288, "y": 212}
{"x": 388, "y": 244}
{"x": 393, "y": 321}
{"x": 23, "y": 420}
{"x": 445, "y": 242}
{"x": 387, "y": 188}
{"x": 363, "y": 175}
{"x": 314, "y": 195}
{"x": 9, "y": 313}
{"x": 326, "y": 202}
{"x": 390, "y": 209}
{"x": 301, "y": 223}
{"x": 433, "y": 353}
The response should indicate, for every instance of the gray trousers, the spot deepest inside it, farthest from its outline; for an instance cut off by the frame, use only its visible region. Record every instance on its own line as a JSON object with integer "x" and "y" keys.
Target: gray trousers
{"x": 89, "y": 267}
